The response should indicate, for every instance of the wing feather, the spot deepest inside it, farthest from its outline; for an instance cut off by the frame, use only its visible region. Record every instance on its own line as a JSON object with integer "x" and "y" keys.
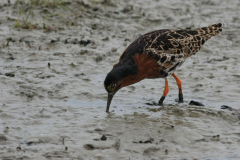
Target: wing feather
{"x": 170, "y": 48}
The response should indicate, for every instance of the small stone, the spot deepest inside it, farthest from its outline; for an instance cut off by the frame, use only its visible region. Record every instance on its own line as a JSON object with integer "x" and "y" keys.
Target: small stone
{"x": 9, "y": 39}
{"x": 98, "y": 129}
{"x": 95, "y": 9}
{"x": 6, "y": 129}
{"x": 104, "y": 138}
{"x": 166, "y": 151}
{"x": 30, "y": 143}
{"x": 195, "y": 103}
{"x": 226, "y": 107}
{"x": 10, "y": 57}
{"x": 150, "y": 140}
{"x": 55, "y": 40}
{"x": 18, "y": 148}
{"x": 10, "y": 74}
{"x": 94, "y": 26}
{"x": 99, "y": 59}
{"x": 85, "y": 43}
{"x": 216, "y": 136}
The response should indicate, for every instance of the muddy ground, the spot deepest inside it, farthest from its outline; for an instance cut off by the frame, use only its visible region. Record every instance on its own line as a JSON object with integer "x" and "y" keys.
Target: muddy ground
{"x": 53, "y": 61}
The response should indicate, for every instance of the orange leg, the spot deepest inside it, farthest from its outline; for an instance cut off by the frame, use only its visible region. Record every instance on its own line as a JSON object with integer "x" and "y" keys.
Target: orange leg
{"x": 165, "y": 92}
{"x": 179, "y": 83}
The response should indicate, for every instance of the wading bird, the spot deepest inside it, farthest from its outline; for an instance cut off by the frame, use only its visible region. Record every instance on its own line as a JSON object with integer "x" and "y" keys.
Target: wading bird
{"x": 157, "y": 55}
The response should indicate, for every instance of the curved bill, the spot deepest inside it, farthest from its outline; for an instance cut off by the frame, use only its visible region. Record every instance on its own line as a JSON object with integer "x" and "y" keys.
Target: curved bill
{"x": 110, "y": 96}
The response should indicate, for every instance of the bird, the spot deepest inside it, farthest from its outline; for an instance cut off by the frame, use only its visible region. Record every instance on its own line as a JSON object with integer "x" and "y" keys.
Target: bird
{"x": 157, "y": 54}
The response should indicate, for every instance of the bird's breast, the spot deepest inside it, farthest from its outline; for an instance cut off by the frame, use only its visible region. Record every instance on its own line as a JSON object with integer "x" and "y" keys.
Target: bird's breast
{"x": 147, "y": 68}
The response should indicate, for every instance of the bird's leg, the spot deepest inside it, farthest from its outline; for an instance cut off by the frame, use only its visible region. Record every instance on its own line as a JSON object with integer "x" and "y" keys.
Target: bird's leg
{"x": 165, "y": 92}
{"x": 179, "y": 83}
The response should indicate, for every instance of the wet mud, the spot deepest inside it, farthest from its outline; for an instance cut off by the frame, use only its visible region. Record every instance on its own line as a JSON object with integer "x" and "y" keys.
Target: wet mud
{"x": 53, "y": 61}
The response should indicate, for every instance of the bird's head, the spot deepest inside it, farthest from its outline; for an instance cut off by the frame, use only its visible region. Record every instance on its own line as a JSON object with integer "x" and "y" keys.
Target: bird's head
{"x": 112, "y": 83}
{"x": 114, "y": 80}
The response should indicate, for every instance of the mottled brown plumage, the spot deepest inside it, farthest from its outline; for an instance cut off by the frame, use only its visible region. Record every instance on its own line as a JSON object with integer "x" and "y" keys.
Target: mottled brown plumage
{"x": 157, "y": 55}
{"x": 170, "y": 48}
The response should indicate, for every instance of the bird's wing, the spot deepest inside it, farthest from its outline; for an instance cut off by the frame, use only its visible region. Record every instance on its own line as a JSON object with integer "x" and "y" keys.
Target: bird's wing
{"x": 137, "y": 46}
{"x": 187, "y": 42}
{"x": 171, "y": 48}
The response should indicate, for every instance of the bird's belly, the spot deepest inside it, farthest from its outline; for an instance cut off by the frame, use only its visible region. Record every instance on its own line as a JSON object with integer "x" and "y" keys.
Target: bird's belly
{"x": 166, "y": 70}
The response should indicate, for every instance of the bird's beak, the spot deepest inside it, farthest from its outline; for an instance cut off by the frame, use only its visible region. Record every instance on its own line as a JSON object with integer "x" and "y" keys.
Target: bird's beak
{"x": 110, "y": 97}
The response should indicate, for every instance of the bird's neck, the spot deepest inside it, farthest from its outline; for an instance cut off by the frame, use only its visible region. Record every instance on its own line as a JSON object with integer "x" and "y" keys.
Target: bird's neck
{"x": 125, "y": 70}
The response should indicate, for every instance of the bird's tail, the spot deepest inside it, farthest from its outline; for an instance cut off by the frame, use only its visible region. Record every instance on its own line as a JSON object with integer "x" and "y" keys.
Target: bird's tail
{"x": 205, "y": 33}
{"x": 212, "y": 30}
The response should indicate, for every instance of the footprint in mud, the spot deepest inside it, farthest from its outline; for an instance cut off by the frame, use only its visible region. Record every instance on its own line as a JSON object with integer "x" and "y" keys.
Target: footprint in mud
{"x": 97, "y": 130}
{"x": 3, "y": 138}
{"x": 152, "y": 104}
{"x": 215, "y": 138}
{"x": 116, "y": 145}
{"x": 57, "y": 154}
{"x": 149, "y": 151}
{"x": 29, "y": 143}
{"x": 93, "y": 146}
{"x": 60, "y": 111}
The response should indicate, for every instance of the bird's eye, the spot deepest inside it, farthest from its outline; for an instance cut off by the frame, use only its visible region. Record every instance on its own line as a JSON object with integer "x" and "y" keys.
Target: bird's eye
{"x": 113, "y": 85}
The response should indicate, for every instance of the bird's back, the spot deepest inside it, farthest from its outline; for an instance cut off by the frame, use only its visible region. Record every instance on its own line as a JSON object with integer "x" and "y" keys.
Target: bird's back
{"x": 170, "y": 48}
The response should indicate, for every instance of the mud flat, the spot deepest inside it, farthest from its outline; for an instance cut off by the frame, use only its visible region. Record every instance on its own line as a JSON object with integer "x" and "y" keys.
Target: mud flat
{"x": 53, "y": 61}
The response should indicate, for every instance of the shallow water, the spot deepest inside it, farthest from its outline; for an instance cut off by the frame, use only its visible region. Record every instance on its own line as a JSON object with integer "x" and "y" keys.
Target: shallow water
{"x": 57, "y": 110}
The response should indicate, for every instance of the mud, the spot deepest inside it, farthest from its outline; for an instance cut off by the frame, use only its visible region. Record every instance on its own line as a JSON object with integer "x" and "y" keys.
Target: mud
{"x": 52, "y": 68}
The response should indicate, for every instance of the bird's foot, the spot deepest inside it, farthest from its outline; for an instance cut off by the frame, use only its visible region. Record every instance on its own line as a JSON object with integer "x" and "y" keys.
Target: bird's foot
{"x": 180, "y": 98}
{"x": 160, "y": 102}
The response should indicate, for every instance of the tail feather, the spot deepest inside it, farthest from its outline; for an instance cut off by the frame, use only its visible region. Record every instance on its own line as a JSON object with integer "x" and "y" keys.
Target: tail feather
{"x": 205, "y": 33}
{"x": 200, "y": 36}
{"x": 212, "y": 30}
